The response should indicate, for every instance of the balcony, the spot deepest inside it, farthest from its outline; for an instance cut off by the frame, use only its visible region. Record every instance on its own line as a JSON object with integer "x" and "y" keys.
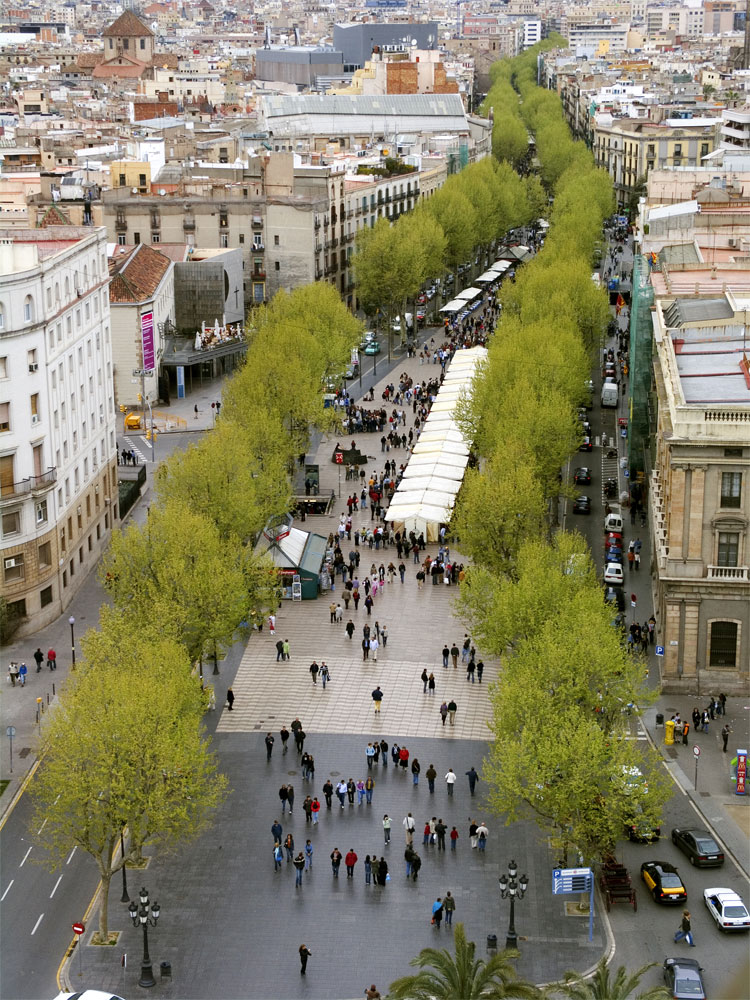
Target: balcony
{"x": 121, "y": 223}
{"x": 258, "y": 247}
{"x": 258, "y": 274}
{"x": 188, "y": 225}
{"x": 316, "y": 224}
{"x": 34, "y": 484}
{"x": 334, "y": 265}
{"x": 257, "y": 222}
{"x": 731, "y": 573}
{"x": 334, "y": 242}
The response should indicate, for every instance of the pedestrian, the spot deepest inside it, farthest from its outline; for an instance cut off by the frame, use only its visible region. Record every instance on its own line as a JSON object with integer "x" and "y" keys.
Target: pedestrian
{"x": 39, "y": 657}
{"x": 368, "y": 870}
{"x": 377, "y": 697}
{"x": 387, "y": 822}
{"x": 290, "y": 797}
{"x": 415, "y": 769}
{"x": 450, "y": 780}
{"x": 304, "y": 954}
{"x": 426, "y": 833}
{"x": 269, "y": 746}
{"x": 382, "y": 872}
{"x": 325, "y": 674}
{"x": 705, "y": 718}
{"x": 384, "y": 752}
{"x": 284, "y": 798}
{"x": 723, "y": 703}
{"x": 286, "y": 654}
{"x": 684, "y": 930}
{"x": 482, "y": 835}
{"x": 360, "y": 792}
{"x": 299, "y": 739}
{"x": 51, "y": 659}
{"x": 473, "y": 777}
{"x": 315, "y": 809}
{"x": 470, "y": 668}
{"x": 372, "y": 993}
{"x": 454, "y": 654}
{"x": 395, "y": 750}
{"x": 351, "y": 788}
{"x": 403, "y": 758}
{"x": 440, "y": 829}
{"x": 384, "y": 635}
{"x": 279, "y": 650}
{"x": 304, "y": 761}
{"x": 336, "y": 861}
{"x": 365, "y": 649}
{"x": 424, "y": 678}
{"x": 307, "y": 809}
{"x": 431, "y": 774}
{"x": 350, "y": 861}
{"x": 374, "y": 644}
{"x": 444, "y": 711}
{"x": 341, "y": 792}
{"x": 465, "y": 649}
{"x": 453, "y": 837}
{"x": 685, "y": 731}
{"x": 410, "y": 826}
{"x": 314, "y": 668}
{"x": 272, "y": 624}
{"x": 230, "y": 699}
{"x": 431, "y": 684}
{"x": 276, "y": 831}
{"x": 289, "y": 848}
{"x": 13, "y": 673}
{"x": 278, "y": 856}
{"x": 284, "y": 734}
{"x": 449, "y": 906}
{"x": 416, "y": 864}
{"x": 437, "y": 912}
{"x": 328, "y": 792}
{"x": 631, "y": 559}
{"x": 446, "y": 656}
{"x": 452, "y": 709}
{"x": 725, "y": 736}
{"x": 637, "y": 561}
{"x": 370, "y": 755}
{"x": 350, "y": 628}
{"x": 299, "y": 864}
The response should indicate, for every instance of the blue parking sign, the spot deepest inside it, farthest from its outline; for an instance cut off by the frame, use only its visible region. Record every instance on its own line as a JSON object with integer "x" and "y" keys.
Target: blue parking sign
{"x": 659, "y": 651}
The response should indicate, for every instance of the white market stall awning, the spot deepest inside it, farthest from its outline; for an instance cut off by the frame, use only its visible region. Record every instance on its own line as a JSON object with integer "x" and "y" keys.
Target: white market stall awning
{"x": 455, "y": 305}
{"x": 468, "y": 294}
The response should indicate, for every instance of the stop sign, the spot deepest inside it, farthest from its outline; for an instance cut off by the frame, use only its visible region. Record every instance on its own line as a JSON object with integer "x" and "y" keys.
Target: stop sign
{"x": 78, "y": 928}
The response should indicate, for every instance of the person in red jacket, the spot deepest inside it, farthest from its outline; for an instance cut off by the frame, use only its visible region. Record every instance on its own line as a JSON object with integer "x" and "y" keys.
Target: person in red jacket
{"x": 315, "y": 809}
{"x": 403, "y": 758}
{"x": 350, "y": 861}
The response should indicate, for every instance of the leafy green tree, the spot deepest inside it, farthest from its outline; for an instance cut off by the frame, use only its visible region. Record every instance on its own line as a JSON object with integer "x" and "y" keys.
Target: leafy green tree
{"x": 443, "y": 976}
{"x": 10, "y": 621}
{"x": 124, "y": 749}
{"x": 602, "y": 985}
{"x": 510, "y": 140}
{"x": 457, "y": 218}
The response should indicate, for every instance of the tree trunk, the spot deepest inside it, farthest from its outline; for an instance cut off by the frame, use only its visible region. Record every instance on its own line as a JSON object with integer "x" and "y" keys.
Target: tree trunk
{"x": 104, "y": 908}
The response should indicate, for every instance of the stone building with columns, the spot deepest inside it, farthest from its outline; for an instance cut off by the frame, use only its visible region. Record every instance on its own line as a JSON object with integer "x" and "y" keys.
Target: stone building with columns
{"x": 700, "y": 489}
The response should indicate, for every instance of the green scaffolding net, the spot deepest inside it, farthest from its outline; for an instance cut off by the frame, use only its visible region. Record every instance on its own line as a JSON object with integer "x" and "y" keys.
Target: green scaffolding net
{"x": 641, "y": 347}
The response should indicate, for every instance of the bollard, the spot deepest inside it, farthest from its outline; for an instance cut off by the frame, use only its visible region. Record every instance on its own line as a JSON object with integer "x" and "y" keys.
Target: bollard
{"x": 659, "y": 719}
{"x": 166, "y": 970}
{"x": 492, "y": 942}
{"x": 48, "y": 697}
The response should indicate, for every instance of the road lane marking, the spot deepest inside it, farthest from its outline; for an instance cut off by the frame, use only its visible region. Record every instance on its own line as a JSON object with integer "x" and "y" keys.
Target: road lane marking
{"x": 24, "y": 858}
{"x": 56, "y": 885}
{"x": 71, "y": 855}
{"x": 7, "y": 890}
{"x": 41, "y": 917}
{"x": 42, "y": 827}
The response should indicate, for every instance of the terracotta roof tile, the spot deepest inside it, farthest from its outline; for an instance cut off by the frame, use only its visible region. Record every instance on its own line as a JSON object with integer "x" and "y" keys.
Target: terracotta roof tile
{"x": 137, "y": 276}
{"x": 127, "y": 25}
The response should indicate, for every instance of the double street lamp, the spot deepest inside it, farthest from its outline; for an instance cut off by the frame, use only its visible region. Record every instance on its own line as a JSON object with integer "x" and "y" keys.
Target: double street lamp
{"x": 144, "y": 918}
{"x": 72, "y": 622}
{"x": 509, "y": 887}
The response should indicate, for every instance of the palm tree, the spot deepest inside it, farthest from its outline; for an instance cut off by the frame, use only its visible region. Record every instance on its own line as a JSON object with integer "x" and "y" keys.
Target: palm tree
{"x": 602, "y": 986}
{"x": 443, "y": 977}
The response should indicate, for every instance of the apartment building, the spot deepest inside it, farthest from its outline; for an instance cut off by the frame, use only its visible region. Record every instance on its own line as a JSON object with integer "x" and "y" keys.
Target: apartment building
{"x": 700, "y": 486}
{"x": 58, "y": 475}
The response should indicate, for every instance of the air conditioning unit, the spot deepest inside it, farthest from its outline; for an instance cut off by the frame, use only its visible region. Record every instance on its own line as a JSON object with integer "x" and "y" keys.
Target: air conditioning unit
{"x": 34, "y": 367}
{"x": 10, "y": 563}
{"x": 732, "y": 241}
{"x": 35, "y": 418}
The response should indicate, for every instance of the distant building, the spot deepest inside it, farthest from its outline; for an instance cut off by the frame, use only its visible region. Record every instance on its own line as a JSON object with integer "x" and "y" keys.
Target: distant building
{"x": 357, "y": 42}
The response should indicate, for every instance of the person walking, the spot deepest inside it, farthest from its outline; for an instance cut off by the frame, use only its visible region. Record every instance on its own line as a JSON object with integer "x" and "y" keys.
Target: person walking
{"x": 480, "y": 670}
{"x": 382, "y": 871}
{"x": 328, "y": 792}
{"x": 453, "y": 838}
{"x": 431, "y": 775}
{"x": 410, "y": 826}
{"x": 446, "y": 656}
{"x": 284, "y": 796}
{"x": 39, "y": 657}
{"x": 725, "y": 736}
{"x": 284, "y": 734}
{"x": 365, "y": 649}
{"x": 314, "y": 668}
{"x": 289, "y": 848}
{"x": 482, "y": 835}
{"x": 325, "y": 674}
{"x": 299, "y": 864}
{"x": 444, "y": 711}
{"x": 276, "y": 831}
{"x": 415, "y": 769}
{"x": 360, "y": 792}
{"x": 455, "y": 654}
{"x": 350, "y": 861}
{"x": 308, "y": 854}
{"x": 368, "y": 870}
{"x": 449, "y": 906}
{"x": 387, "y": 823}
{"x": 437, "y": 912}
{"x": 341, "y": 792}
{"x": 315, "y": 810}
{"x": 370, "y": 755}
{"x": 307, "y": 809}
{"x": 403, "y": 758}
{"x": 450, "y": 780}
{"x": 473, "y": 777}
{"x": 230, "y": 699}
{"x": 336, "y": 861}
{"x": 685, "y": 930}
{"x": 424, "y": 678}
{"x": 384, "y": 752}
{"x": 51, "y": 659}
{"x": 286, "y": 655}
{"x": 279, "y": 650}
{"x": 351, "y": 788}
{"x": 269, "y": 745}
{"x": 473, "y": 836}
{"x": 431, "y": 684}
{"x": 304, "y": 954}
{"x": 377, "y": 697}
{"x": 452, "y": 709}
{"x": 374, "y": 645}
{"x": 685, "y": 731}
{"x": 369, "y": 788}
{"x": 278, "y": 856}
{"x": 440, "y": 829}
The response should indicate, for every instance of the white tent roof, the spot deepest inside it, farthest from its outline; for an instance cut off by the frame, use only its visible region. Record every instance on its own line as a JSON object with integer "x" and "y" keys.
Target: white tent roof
{"x": 449, "y": 447}
{"x": 468, "y": 294}
{"x": 455, "y": 305}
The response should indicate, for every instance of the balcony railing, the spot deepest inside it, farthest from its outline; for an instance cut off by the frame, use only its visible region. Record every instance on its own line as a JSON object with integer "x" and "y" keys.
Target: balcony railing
{"x": 728, "y": 573}
{"x": 30, "y": 485}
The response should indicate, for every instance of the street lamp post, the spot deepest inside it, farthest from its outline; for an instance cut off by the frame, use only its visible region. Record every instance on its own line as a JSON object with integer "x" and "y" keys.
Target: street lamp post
{"x": 72, "y": 622}
{"x": 144, "y": 918}
{"x": 509, "y": 887}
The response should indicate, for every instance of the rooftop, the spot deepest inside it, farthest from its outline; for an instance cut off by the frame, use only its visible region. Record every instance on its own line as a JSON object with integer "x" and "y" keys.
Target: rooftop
{"x": 708, "y": 364}
{"x": 135, "y": 276}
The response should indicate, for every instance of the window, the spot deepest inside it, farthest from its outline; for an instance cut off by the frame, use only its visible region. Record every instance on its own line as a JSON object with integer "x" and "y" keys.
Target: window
{"x": 32, "y": 360}
{"x": 728, "y": 549}
{"x": 136, "y": 238}
{"x": 45, "y": 596}
{"x": 155, "y": 237}
{"x": 11, "y": 523}
{"x": 723, "y": 646}
{"x": 276, "y": 240}
{"x": 126, "y": 43}
{"x": 4, "y": 367}
{"x": 277, "y": 266}
{"x": 141, "y": 180}
{"x": 223, "y": 240}
{"x": 28, "y": 309}
{"x": 45, "y": 555}
{"x": 731, "y": 489}
{"x": 121, "y": 239}
{"x": 143, "y": 43}
{"x": 4, "y": 417}
{"x": 34, "y": 404}
{"x": 41, "y": 512}
{"x": 13, "y": 568}
{"x": 2, "y": 317}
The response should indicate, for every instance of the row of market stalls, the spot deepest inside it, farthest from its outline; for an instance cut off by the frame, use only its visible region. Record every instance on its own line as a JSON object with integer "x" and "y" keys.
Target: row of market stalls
{"x": 426, "y": 495}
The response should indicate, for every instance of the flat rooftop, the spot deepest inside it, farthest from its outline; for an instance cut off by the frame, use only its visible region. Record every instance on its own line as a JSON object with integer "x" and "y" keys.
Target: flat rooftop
{"x": 708, "y": 364}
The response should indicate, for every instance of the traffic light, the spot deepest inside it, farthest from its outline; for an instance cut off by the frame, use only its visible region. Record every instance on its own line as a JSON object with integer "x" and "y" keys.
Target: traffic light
{"x": 148, "y": 435}
{"x": 139, "y": 398}
{"x": 123, "y": 408}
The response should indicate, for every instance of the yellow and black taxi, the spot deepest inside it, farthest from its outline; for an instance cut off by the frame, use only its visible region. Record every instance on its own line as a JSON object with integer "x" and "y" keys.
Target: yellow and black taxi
{"x": 664, "y": 882}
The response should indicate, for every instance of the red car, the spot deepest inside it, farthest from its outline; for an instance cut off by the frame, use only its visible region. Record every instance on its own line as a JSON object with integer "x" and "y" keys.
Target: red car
{"x": 613, "y": 540}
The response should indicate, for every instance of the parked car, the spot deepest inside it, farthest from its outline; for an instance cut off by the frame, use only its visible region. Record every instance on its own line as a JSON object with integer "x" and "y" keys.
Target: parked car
{"x": 613, "y": 574}
{"x": 683, "y": 979}
{"x": 664, "y": 882}
{"x": 582, "y": 505}
{"x": 727, "y": 909}
{"x": 613, "y": 555}
{"x": 422, "y": 299}
{"x": 699, "y": 846}
{"x": 582, "y": 475}
{"x": 615, "y": 596}
{"x": 421, "y": 317}
{"x": 613, "y": 539}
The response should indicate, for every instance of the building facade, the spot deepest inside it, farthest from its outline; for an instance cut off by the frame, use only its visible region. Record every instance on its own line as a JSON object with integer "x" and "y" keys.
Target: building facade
{"x": 58, "y": 469}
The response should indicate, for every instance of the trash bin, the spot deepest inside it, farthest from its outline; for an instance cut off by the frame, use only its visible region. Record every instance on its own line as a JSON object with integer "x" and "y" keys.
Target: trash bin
{"x": 166, "y": 970}
{"x": 659, "y": 719}
{"x": 492, "y": 942}
{"x": 669, "y": 732}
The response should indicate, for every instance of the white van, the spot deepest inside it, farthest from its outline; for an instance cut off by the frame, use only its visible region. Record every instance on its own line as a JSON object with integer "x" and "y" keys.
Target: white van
{"x": 609, "y": 394}
{"x": 613, "y": 520}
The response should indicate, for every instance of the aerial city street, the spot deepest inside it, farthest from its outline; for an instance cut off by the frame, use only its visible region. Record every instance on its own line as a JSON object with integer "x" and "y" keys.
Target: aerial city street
{"x": 374, "y": 505}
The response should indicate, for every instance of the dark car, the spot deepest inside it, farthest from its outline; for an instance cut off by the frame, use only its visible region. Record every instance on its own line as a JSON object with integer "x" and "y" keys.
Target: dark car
{"x": 683, "y": 979}
{"x": 664, "y": 882}
{"x": 699, "y": 846}
{"x": 582, "y": 475}
{"x": 585, "y": 445}
{"x": 582, "y": 505}
{"x": 615, "y": 596}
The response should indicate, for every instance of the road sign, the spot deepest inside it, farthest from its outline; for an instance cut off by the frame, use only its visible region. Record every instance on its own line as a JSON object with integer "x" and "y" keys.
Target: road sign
{"x": 565, "y": 880}
{"x": 78, "y": 928}
{"x": 143, "y": 372}
{"x": 10, "y": 731}
{"x": 696, "y": 751}
{"x": 659, "y": 651}
{"x": 339, "y": 456}
{"x": 633, "y": 600}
